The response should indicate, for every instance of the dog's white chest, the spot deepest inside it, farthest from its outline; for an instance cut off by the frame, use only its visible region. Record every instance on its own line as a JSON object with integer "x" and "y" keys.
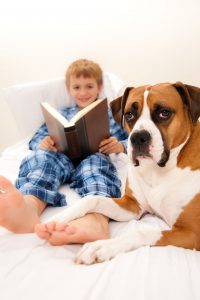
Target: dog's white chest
{"x": 163, "y": 191}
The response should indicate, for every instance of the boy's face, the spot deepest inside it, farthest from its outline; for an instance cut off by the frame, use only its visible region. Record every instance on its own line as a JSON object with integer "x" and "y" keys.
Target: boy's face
{"x": 83, "y": 90}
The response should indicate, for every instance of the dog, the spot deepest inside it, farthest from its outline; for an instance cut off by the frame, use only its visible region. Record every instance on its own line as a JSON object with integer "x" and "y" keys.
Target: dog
{"x": 163, "y": 175}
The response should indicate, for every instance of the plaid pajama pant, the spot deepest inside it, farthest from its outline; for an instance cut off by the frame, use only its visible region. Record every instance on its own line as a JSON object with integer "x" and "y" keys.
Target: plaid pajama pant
{"x": 43, "y": 172}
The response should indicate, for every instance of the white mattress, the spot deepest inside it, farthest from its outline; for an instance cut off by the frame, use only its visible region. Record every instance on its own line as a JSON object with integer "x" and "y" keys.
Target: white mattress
{"x": 32, "y": 269}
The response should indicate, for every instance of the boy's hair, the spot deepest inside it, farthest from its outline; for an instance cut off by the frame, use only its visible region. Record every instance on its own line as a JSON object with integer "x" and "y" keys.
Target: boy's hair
{"x": 86, "y": 68}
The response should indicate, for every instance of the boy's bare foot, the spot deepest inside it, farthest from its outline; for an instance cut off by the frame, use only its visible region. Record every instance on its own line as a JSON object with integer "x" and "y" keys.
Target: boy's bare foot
{"x": 89, "y": 228}
{"x": 18, "y": 213}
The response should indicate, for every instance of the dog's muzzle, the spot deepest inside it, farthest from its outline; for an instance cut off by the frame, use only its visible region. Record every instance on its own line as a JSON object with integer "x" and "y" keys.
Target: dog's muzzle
{"x": 140, "y": 141}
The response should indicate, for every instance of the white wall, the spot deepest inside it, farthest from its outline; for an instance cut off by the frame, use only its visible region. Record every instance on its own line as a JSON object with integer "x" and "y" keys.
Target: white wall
{"x": 141, "y": 41}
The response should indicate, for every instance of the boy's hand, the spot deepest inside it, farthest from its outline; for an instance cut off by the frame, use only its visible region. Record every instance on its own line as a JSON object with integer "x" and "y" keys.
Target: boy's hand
{"x": 111, "y": 145}
{"x": 48, "y": 144}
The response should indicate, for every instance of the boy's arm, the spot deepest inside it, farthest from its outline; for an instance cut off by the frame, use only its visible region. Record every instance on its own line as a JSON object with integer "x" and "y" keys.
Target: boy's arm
{"x": 47, "y": 143}
{"x": 125, "y": 144}
{"x": 41, "y": 138}
{"x": 115, "y": 129}
{"x": 42, "y": 132}
{"x": 117, "y": 142}
{"x": 111, "y": 145}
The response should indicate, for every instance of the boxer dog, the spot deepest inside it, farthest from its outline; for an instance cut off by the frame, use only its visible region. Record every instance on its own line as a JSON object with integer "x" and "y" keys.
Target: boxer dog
{"x": 163, "y": 172}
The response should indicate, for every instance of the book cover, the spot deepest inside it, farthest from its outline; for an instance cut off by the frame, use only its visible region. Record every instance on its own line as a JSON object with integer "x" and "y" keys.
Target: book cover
{"x": 81, "y": 136}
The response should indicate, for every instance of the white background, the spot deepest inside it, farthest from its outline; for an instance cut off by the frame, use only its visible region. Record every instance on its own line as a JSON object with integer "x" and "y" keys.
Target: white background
{"x": 141, "y": 41}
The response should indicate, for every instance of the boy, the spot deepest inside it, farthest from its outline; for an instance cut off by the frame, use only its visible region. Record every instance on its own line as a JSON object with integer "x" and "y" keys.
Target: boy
{"x": 45, "y": 170}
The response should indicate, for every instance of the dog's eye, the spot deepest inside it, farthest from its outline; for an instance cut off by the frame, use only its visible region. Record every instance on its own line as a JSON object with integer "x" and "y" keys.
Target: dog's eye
{"x": 129, "y": 116}
{"x": 164, "y": 114}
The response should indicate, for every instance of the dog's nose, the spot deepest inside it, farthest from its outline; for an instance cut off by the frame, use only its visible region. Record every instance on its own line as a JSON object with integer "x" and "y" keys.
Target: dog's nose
{"x": 140, "y": 138}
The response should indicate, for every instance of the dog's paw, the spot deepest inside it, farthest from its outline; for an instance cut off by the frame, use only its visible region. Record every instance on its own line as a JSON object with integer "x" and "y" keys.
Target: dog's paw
{"x": 96, "y": 252}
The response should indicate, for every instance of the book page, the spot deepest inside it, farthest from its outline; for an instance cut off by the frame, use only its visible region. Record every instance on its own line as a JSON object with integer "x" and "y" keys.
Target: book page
{"x": 86, "y": 109}
{"x": 56, "y": 114}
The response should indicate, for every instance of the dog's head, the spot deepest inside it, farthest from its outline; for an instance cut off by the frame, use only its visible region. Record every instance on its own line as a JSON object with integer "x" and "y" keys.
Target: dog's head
{"x": 158, "y": 118}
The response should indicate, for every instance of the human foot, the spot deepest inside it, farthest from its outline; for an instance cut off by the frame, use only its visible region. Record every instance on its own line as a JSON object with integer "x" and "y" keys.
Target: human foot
{"x": 89, "y": 228}
{"x": 16, "y": 214}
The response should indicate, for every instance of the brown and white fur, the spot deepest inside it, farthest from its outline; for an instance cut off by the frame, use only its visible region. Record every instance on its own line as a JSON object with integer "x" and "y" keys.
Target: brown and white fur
{"x": 163, "y": 172}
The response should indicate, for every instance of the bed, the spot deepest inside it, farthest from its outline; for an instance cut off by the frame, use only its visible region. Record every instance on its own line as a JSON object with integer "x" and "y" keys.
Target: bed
{"x": 32, "y": 269}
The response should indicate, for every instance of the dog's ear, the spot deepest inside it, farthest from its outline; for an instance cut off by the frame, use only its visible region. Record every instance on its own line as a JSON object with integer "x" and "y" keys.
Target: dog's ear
{"x": 118, "y": 105}
{"x": 191, "y": 97}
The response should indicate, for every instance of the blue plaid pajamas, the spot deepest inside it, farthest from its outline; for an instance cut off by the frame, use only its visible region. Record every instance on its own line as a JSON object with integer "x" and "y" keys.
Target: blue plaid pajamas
{"x": 43, "y": 172}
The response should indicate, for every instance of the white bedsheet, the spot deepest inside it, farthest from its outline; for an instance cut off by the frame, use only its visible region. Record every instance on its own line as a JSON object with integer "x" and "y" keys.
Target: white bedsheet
{"x": 32, "y": 269}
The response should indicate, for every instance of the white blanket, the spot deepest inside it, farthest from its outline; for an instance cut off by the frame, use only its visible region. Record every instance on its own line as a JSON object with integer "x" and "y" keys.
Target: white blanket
{"x": 30, "y": 268}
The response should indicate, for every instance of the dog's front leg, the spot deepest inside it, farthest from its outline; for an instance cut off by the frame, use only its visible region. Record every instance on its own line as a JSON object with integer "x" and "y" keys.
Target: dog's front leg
{"x": 93, "y": 203}
{"x": 104, "y": 250}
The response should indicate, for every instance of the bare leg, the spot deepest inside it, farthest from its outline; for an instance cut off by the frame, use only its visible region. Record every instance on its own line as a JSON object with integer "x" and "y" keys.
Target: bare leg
{"x": 18, "y": 213}
{"x": 89, "y": 228}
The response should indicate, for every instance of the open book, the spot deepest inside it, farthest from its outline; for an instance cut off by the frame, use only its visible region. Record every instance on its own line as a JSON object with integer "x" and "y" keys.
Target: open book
{"x": 83, "y": 134}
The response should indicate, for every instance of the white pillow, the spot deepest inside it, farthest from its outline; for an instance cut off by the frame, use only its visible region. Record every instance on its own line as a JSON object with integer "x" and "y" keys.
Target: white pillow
{"x": 24, "y": 100}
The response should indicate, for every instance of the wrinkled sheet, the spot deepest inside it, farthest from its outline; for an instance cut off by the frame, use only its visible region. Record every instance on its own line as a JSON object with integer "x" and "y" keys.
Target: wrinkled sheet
{"x": 30, "y": 268}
